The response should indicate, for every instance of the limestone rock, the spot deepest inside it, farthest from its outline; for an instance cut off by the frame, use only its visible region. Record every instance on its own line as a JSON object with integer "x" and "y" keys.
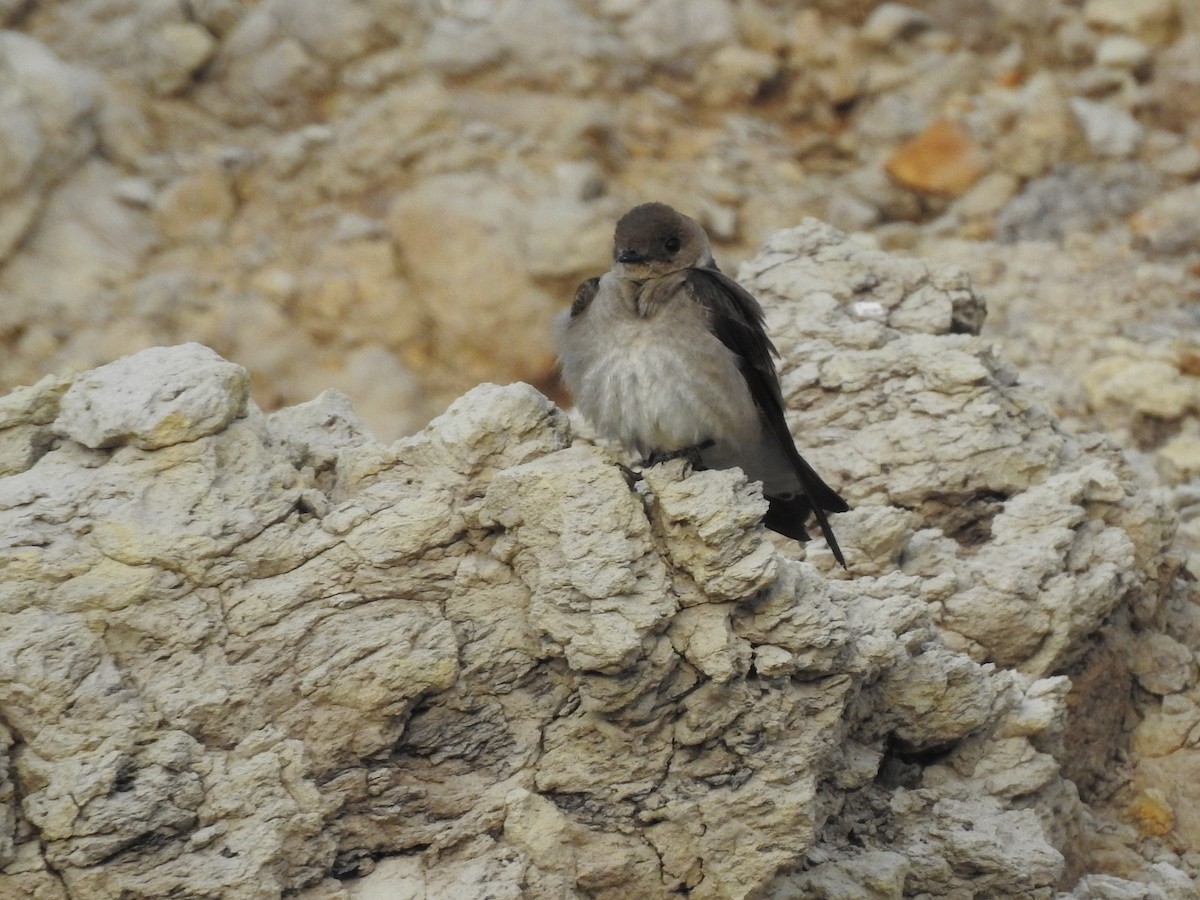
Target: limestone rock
{"x": 1152, "y": 20}
{"x": 247, "y": 654}
{"x": 454, "y": 238}
{"x": 1164, "y": 225}
{"x": 46, "y": 106}
{"x": 1109, "y": 131}
{"x": 293, "y": 183}
{"x": 160, "y": 397}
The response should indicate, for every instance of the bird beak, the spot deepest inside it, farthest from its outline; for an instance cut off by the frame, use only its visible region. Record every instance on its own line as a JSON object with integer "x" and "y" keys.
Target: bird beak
{"x": 630, "y": 256}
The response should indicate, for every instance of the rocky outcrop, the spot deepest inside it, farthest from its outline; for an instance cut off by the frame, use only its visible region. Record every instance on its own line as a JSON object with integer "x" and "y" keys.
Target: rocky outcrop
{"x": 243, "y": 654}
{"x": 354, "y": 192}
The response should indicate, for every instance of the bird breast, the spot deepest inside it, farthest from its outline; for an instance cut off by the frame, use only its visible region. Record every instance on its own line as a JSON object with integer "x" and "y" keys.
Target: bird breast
{"x": 652, "y": 375}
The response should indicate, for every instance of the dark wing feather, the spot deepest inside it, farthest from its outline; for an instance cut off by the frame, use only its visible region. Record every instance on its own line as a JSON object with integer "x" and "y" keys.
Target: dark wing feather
{"x": 737, "y": 321}
{"x": 584, "y": 295}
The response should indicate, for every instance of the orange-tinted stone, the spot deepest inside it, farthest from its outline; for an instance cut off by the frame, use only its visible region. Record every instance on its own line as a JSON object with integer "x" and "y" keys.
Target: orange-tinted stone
{"x": 942, "y": 159}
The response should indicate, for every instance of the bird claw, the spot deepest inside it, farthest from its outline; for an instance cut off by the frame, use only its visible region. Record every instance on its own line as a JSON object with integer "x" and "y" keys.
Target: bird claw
{"x": 631, "y": 477}
{"x": 691, "y": 454}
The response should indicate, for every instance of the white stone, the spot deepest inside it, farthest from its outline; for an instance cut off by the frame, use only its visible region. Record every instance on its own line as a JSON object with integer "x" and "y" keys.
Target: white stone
{"x": 1109, "y": 131}
{"x": 890, "y": 22}
{"x": 1123, "y": 52}
{"x": 156, "y": 398}
{"x": 176, "y": 52}
{"x": 1150, "y": 20}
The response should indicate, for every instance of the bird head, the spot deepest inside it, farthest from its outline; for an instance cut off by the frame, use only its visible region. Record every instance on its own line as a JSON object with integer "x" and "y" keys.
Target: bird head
{"x": 653, "y": 240}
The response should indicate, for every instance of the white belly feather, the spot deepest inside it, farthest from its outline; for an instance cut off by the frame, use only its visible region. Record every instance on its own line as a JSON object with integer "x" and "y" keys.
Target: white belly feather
{"x": 656, "y": 383}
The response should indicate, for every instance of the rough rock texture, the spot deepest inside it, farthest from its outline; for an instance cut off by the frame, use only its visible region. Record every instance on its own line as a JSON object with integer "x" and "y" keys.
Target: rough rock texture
{"x": 251, "y": 654}
{"x": 369, "y": 192}
{"x": 392, "y": 198}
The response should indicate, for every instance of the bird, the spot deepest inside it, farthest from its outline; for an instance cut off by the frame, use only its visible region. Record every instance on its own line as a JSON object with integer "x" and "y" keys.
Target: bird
{"x": 669, "y": 356}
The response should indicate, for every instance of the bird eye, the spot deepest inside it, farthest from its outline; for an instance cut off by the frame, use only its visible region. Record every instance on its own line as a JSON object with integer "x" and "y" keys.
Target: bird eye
{"x": 673, "y": 244}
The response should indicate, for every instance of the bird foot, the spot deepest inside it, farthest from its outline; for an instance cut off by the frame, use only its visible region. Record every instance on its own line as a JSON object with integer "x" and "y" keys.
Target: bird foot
{"x": 631, "y": 477}
{"x": 691, "y": 454}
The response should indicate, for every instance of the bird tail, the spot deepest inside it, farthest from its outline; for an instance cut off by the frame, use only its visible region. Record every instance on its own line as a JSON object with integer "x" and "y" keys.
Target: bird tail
{"x": 787, "y": 515}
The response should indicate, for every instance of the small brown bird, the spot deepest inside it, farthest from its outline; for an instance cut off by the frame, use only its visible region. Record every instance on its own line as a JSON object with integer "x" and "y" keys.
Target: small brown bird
{"x": 669, "y": 356}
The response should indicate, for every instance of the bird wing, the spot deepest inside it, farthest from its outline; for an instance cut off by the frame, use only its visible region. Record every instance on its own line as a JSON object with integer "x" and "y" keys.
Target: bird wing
{"x": 736, "y": 319}
{"x": 584, "y": 295}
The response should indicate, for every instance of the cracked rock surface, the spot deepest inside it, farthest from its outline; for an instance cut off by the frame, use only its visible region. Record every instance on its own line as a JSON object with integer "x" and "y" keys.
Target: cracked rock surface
{"x": 248, "y": 654}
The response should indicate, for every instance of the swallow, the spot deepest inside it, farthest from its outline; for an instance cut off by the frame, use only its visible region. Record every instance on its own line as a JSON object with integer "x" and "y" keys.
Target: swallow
{"x": 670, "y": 357}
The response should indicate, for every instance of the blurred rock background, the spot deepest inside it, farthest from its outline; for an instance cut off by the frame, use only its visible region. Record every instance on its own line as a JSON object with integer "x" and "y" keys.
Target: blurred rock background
{"x": 394, "y": 197}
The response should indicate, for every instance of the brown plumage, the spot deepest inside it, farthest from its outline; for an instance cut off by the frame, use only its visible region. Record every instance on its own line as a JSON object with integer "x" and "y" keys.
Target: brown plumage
{"x": 669, "y": 355}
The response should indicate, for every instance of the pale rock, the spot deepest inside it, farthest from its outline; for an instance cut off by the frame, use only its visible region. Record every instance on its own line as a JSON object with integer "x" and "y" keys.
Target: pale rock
{"x": 1168, "y": 727}
{"x": 1154, "y": 21}
{"x": 260, "y": 72}
{"x": 1179, "y": 458}
{"x": 890, "y": 22}
{"x": 988, "y": 195}
{"x": 560, "y": 45}
{"x": 150, "y": 401}
{"x": 1165, "y": 223}
{"x": 1123, "y": 52}
{"x": 24, "y": 417}
{"x": 483, "y": 871}
{"x": 460, "y": 46}
{"x": 704, "y": 636}
{"x": 1162, "y": 665}
{"x": 495, "y": 659}
{"x": 945, "y": 692}
{"x": 1173, "y": 883}
{"x": 23, "y": 144}
{"x": 1182, "y": 161}
{"x": 679, "y": 30}
{"x": 616, "y": 591}
{"x": 872, "y": 185}
{"x": 334, "y": 30}
{"x": 565, "y": 238}
{"x": 542, "y": 42}
{"x": 354, "y": 285}
{"x": 926, "y": 307}
{"x": 136, "y": 192}
{"x": 1110, "y": 887}
{"x": 175, "y": 53}
{"x": 814, "y": 633}
{"x": 770, "y": 660}
{"x": 734, "y": 75}
{"x": 59, "y": 96}
{"x": 871, "y": 875}
{"x": 304, "y": 303}
{"x": 47, "y": 107}
{"x": 716, "y": 511}
{"x": 390, "y": 391}
{"x": 1005, "y": 850}
{"x": 16, "y": 218}
{"x": 86, "y": 240}
{"x": 459, "y": 246}
{"x": 1036, "y": 127}
{"x": 850, "y": 213}
{"x": 276, "y": 73}
{"x": 382, "y": 129}
{"x": 196, "y": 207}
{"x": 1151, "y": 386}
{"x": 219, "y": 16}
{"x": 1110, "y": 132}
